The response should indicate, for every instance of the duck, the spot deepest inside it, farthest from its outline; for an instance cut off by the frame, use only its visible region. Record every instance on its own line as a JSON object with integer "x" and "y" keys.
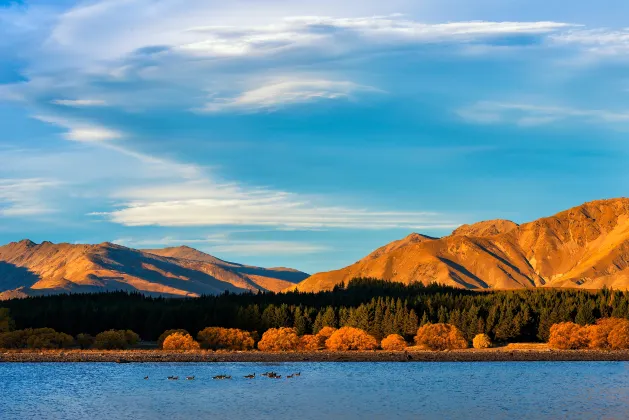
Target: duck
{"x": 253, "y": 375}
{"x": 146, "y": 377}
{"x": 290, "y": 376}
{"x": 190, "y": 378}
{"x": 297, "y": 374}
{"x": 173, "y": 378}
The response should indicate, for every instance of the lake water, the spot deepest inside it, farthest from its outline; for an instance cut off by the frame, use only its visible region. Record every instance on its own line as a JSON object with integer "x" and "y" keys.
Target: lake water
{"x": 532, "y": 390}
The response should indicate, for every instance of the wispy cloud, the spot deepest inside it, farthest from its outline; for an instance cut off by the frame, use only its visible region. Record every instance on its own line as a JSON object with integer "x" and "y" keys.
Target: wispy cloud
{"x": 81, "y": 131}
{"x": 285, "y": 92}
{"x": 79, "y": 103}
{"x": 205, "y": 203}
{"x": 23, "y": 197}
{"x": 599, "y": 41}
{"x": 531, "y": 115}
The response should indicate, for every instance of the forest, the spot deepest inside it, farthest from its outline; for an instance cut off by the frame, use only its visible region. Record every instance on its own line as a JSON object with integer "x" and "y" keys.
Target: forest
{"x": 378, "y": 307}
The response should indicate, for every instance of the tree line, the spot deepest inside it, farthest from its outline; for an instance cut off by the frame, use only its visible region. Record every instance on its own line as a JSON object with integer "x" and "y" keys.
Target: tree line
{"x": 380, "y": 308}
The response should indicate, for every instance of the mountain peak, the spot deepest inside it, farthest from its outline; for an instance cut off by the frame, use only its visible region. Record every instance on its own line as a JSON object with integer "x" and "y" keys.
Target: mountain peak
{"x": 485, "y": 228}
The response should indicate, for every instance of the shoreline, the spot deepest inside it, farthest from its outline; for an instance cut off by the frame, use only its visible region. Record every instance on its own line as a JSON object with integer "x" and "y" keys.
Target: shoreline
{"x": 160, "y": 356}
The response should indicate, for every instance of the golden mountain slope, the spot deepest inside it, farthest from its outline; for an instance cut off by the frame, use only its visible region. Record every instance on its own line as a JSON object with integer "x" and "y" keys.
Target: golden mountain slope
{"x": 27, "y": 268}
{"x": 586, "y": 246}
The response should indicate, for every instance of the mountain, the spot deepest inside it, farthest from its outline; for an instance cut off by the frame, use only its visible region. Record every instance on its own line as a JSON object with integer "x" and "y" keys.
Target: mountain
{"x": 586, "y": 246}
{"x": 27, "y": 268}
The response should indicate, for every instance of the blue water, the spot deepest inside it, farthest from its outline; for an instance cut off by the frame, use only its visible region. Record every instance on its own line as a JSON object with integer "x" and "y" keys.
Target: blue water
{"x": 533, "y": 390}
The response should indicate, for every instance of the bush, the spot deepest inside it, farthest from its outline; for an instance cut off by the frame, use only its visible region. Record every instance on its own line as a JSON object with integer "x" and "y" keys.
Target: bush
{"x": 618, "y": 337}
{"x": 568, "y": 335}
{"x": 162, "y": 337}
{"x": 38, "y": 338}
{"x": 279, "y": 339}
{"x": 326, "y": 332}
{"x": 6, "y": 322}
{"x": 216, "y": 338}
{"x": 481, "y": 341}
{"x": 179, "y": 341}
{"x": 350, "y": 338}
{"x": 440, "y": 337}
{"x": 311, "y": 342}
{"x": 116, "y": 339}
{"x": 393, "y": 342}
{"x": 598, "y": 334}
{"x": 85, "y": 341}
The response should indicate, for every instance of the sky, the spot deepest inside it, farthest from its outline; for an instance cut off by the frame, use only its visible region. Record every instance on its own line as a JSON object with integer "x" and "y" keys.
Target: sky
{"x": 304, "y": 134}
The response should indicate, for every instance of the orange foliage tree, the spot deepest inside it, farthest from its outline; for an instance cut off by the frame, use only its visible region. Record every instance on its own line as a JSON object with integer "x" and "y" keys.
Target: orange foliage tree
{"x": 279, "y": 339}
{"x": 179, "y": 341}
{"x": 393, "y": 342}
{"x": 216, "y": 338}
{"x": 162, "y": 336}
{"x": 481, "y": 341}
{"x": 618, "y": 337}
{"x": 440, "y": 337}
{"x": 350, "y": 338}
{"x": 310, "y": 342}
{"x": 568, "y": 335}
{"x": 599, "y": 334}
{"x": 326, "y": 332}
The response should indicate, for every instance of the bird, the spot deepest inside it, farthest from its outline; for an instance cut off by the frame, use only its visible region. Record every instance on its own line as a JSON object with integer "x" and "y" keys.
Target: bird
{"x": 297, "y": 374}
{"x": 290, "y": 376}
{"x": 190, "y": 378}
{"x": 173, "y": 378}
{"x": 146, "y": 377}
{"x": 250, "y": 376}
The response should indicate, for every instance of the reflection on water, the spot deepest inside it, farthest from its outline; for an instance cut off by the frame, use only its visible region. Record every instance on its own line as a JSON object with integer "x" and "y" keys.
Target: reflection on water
{"x": 324, "y": 390}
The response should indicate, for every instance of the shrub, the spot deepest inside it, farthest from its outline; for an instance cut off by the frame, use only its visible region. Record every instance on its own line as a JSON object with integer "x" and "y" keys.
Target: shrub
{"x": 85, "y": 341}
{"x": 38, "y": 338}
{"x": 326, "y": 332}
{"x": 481, "y": 341}
{"x": 179, "y": 341}
{"x": 216, "y": 338}
{"x": 6, "y": 322}
{"x": 598, "y": 334}
{"x": 311, "y": 342}
{"x": 393, "y": 342}
{"x": 618, "y": 337}
{"x": 162, "y": 337}
{"x": 440, "y": 337}
{"x": 568, "y": 335}
{"x": 279, "y": 339}
{"x": 116, "y": 339}
{"x": 350, "y": 338}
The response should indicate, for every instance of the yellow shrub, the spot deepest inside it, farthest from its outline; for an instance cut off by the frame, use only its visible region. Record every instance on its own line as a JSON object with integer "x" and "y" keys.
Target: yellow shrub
{"x": 598, "y": 335}
{"x": 279, "y": 339}
{"x": 618, "y": 337}
{"x": 349, "y": 338}
{"x": 311, "y": 342}
{"x": 393, "y": 342}
{"x": 481, "y": 341}
{"x": 216, "y": 338}
{"x": 568, "y": 335}
{"x": 326, "y": 332}
{"x": 179, "y": 341}
{"x": 440, "y": 337}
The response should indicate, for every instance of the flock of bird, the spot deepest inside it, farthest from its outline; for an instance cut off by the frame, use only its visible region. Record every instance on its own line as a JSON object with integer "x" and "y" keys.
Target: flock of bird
{"x": 272, "y": 375}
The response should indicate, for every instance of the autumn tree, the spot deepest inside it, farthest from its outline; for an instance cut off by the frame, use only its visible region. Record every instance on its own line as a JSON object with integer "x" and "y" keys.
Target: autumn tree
{"x": 618, "y": 337}
{"x": 279, "y": 339}
{"x": 217, "y": 338}
{"x": 85, "y": 341}
{"x": 440, "y": 337}
{"x": 350, "y": 338}
{"x": 162, "y": 336}
{"x": 116, "y": 339}
{"x": 481, "y": 341}
{"x": 179, "y": 341}
{"x": 568, "y": 335}
{"x": 393, "y": 342}
{"x": 6, "y": 322}
{"x": 311, "y": 342}
{"x": 599, "y": 333}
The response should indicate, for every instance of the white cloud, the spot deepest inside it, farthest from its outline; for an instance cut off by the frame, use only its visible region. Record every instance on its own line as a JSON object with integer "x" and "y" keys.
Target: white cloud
{"x": 81, "y": 131}
{"x": 597, "y": 41}
{"x": 530, "y": 114}
{"x": 23, "y": 197}
{"x": 79, "y": 103}
{"x": 206, "y": 203}
{"x": 289, "y": 91}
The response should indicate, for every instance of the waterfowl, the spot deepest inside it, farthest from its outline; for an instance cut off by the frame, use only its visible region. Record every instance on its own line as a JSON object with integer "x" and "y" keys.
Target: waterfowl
{"x": 173, "y": 378}
{"x": 297, "y": 374}
{"x": 146, "y": 377}
{"x": 250, "y": 376}
{"x": 190, "y": 378}
{"x": 290, "y": 376}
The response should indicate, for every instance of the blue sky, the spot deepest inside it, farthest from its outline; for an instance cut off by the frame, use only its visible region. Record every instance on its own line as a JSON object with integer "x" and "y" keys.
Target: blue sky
{"x": 302, "y": 134}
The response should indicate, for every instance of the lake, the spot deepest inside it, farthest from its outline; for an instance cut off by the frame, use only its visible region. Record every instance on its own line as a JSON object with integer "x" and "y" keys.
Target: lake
{"x": 492, "y": 390}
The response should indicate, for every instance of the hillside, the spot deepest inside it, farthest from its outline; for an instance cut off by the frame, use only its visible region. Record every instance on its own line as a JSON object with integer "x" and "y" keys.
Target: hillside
{"x": 586, "y": 246}
{"x": 28, "y": 269}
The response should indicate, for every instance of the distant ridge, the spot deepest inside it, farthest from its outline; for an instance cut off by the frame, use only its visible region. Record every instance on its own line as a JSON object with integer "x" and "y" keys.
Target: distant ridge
{"x": 27, "y": 269}
{"x": 586, "y": 246}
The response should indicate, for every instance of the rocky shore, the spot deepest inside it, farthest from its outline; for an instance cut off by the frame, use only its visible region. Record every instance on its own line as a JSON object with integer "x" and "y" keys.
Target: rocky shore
{"x": 470, "y": 355}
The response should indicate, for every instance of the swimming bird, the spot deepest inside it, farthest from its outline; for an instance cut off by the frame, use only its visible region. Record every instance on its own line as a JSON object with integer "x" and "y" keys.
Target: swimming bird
{"x": 173, "y": 378}
{"x": 290, "y": 376}
{"x": 250, "y": 376}
{"x": 190, "y": 378}
{"x": 146, "y": 377}
{"x": 297, "y": 374}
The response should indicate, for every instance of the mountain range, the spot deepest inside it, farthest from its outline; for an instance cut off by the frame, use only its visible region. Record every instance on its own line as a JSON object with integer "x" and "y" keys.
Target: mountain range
{"x": 585, "y": 247}
{"x": 27, "y": 269}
